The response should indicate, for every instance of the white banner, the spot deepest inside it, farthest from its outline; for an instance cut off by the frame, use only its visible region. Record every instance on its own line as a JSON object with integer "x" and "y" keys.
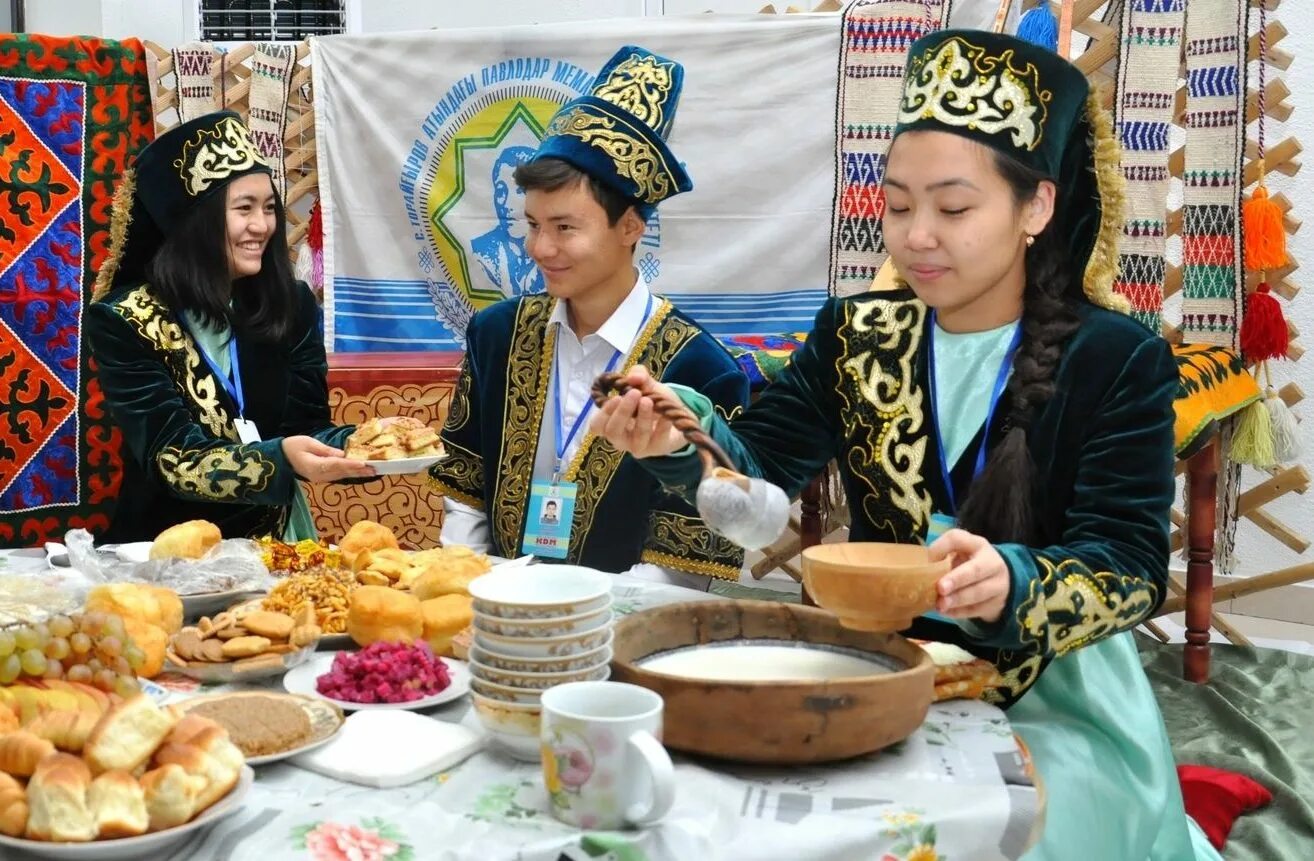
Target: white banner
{"x": 417, "y": 134}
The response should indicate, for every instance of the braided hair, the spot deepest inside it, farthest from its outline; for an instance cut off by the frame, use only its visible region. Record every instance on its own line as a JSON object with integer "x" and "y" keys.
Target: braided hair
{"x": 999, "y": 506}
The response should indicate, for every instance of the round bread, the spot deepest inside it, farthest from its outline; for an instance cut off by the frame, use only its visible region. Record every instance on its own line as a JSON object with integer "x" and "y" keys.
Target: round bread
{"x": 383, "y": 614}
{"x": 190, "y": 540}
{"x": 263, "y": 623}
{"x": 365, "y": 535}
{"x": 445, "y": 617}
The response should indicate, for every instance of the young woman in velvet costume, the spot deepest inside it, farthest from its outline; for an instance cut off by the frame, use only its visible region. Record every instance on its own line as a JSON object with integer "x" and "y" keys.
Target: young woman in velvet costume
{"x": 1002, "y": 410}
{"x": 208, "y": 352}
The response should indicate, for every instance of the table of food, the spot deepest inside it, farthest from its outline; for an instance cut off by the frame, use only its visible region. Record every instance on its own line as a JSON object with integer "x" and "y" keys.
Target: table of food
{"x": 201, "y": 698}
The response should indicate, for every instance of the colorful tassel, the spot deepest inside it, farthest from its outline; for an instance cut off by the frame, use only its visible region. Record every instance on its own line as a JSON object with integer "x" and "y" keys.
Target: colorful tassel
{"x": 1286, "y": 429}
{"x": 1264, "y": 331}
{"x": 1252, "y": 441}
{"x": 1040, "y": 27}
{"x": 1265, "y": 236}
{"x": 315, "y": 246}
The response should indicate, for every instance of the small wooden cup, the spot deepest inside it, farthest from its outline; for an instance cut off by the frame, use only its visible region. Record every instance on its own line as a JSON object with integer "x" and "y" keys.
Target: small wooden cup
{"x": 871, "y": 586}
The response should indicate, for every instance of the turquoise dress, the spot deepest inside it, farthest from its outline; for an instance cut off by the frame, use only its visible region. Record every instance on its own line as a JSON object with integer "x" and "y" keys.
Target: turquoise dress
{"x": 859, "y": 392}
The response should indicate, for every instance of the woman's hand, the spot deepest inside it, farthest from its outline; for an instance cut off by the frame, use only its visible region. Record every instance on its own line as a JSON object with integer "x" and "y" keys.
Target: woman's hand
{"x": 631, "y": 424}
{"x": 315, "y": 461}
{"x": 977, "y": 585}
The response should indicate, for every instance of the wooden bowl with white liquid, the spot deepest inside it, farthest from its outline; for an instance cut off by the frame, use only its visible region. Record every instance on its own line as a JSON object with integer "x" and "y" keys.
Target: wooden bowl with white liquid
{"x": 760, "y": 681}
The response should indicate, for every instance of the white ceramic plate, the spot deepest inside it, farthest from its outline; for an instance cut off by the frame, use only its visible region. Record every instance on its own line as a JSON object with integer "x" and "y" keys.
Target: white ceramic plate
{"x": 326, "y": 720}
{"x": 146, "y": 846}
{"x": 506, "y": 663}
{"x": 301, "y": 680}
{"x": 543, "y": 648}
{"x": 405, "y": 465}
{"x": 561, "y": 627}
{"x": 222, "y": 672}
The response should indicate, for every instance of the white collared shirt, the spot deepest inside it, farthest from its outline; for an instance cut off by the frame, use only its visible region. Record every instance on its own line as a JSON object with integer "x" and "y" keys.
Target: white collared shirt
{"x": 579, "y": 362}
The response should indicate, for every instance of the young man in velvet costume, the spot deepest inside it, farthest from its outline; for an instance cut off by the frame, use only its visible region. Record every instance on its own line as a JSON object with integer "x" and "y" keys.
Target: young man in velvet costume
{"x": 1002, "y": 410}
{"x": 517, "y": 434}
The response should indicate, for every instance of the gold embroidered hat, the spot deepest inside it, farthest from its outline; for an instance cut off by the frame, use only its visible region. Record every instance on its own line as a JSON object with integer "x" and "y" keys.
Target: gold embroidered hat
{"x": 1029, "y": 103}
{"x": 618, "y": 132}
{"x": 172, "y": 174}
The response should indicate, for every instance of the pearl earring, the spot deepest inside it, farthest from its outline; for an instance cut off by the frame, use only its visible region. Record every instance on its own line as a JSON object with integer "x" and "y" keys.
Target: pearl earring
{"x": 1031, "y": 240}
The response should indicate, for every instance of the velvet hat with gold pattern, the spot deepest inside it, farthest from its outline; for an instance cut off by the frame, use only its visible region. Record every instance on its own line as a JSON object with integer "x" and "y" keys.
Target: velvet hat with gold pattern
{"x": 176, "y": 171}
{"x": 1029, "y": 103}
{"x": 617, "y": 134}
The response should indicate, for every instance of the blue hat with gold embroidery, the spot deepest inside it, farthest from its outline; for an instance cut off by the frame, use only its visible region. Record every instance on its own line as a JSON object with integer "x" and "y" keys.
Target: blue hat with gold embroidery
{"x": 617, "y": 134}
{"x": 1029, "y": 103}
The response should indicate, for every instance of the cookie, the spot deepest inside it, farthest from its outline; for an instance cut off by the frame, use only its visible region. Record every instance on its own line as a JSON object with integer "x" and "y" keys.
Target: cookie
{"x": 305, "y": 614}
{"x": 259, "y": 662}
{"x": 304, "y": 635}
{"x": 232, "y": 633}
{"x": 212, "y": 650}
{"x": 275, "y": 626}
{"x": 245, "y": 647}
{"x": 187, "y": 644}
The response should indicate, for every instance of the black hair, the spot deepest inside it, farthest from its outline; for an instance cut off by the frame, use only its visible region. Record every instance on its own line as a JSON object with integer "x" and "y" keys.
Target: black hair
{"x": 190, "y": 272}
{"x": 550, "y": 174}
{"x": 999, "y": 506}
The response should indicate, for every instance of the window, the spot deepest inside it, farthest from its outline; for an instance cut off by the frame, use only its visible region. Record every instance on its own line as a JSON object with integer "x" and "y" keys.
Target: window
{"x": 270, "y": 20}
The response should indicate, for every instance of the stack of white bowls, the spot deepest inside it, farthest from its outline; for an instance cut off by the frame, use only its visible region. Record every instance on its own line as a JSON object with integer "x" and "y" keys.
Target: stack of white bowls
{"x": 535, "y": 627}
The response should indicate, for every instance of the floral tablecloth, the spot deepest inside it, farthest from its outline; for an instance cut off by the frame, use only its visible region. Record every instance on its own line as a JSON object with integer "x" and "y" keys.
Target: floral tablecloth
{"x": 957, "y": 789}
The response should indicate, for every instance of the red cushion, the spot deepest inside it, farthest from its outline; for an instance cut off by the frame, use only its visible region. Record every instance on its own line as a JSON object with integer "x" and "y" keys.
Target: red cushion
{"x": 1215, "y": 798}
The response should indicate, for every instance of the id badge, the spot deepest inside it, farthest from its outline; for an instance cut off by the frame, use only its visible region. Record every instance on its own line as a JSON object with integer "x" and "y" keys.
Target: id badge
{"x": 246, "y": 430}
{"x": 551, "y": 512}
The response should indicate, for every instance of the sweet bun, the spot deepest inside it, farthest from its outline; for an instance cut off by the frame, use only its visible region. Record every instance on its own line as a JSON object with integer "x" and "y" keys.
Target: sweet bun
{"x": 208, "y": 755}
{"x": 118, "y": 805}
{"x": 128, "y": 733}
{"x": 444, "y": 617}
{"x": 365, "y": 535}
{"x": 171, "y": 795}
{"x": 57, "y": 801}
{"x": 13, "y": 806}
{"x": 190, "y": 540}
{"x": 21, "y": 752}
{"x": 67, "y": 731}
{"x": 383, "y": 614}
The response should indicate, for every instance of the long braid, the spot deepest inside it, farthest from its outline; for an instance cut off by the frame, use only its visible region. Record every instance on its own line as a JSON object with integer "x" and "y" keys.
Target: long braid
{"x": 999, "y": 504}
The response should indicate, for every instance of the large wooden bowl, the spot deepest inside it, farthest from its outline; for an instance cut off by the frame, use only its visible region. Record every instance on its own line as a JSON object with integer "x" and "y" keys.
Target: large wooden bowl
{"x": 774, "y": 721}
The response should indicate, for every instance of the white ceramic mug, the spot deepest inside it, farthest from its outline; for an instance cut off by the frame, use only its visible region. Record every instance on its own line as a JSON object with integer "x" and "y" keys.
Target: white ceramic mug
{"x": 603, "y": 762}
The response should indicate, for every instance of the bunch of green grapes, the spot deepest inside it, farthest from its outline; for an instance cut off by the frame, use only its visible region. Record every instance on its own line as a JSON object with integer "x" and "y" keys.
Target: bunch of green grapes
{"x": 90, "y": 648}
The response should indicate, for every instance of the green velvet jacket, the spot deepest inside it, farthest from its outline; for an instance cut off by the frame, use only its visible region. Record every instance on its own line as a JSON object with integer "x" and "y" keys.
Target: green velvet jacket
{"x": 622, "y": 516}
{"x": 183, "y": 460}
{"x": 857, "y": 392}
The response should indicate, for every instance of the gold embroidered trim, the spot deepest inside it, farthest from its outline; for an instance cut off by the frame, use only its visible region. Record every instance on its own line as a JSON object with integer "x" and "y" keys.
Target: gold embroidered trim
{"x": 120, "y": 219}
{"x": 216, "y": 154}
{"x": 962, "y": 85}
{"x": 1070, "y": 606}
{"x": 529, "y": 367}
{"x": 442, "y": 488}
{"x": 691, "y": 566}
{"x": 458, "y": 413}
{"x": 462, "y": 471}
{"x": 1102, "y": 267}
{"x": 191, "y": 376}
{"x": 225, "y": 473}
{"x": 882, "y": 410}
{"x": 634, "y": 158}
{"x": 640, "y": 84}
{"x": 684, "y": 542}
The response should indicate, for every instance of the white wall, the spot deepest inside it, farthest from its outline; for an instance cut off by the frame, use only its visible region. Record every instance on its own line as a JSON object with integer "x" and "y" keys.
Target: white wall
{"x": 63, "y": 17}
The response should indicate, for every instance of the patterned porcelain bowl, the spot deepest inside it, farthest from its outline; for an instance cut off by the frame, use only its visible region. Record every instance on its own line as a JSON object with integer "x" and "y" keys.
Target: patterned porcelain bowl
{"x": 529, "y": 696}
{"x": 541, "y": 592}
{"x": 541, "y": 648}
{"x": 513, "y": 726}
{"x": 543, "y": 627}
{"x": 538, "y": 681}
{"x": 512, "y": 664}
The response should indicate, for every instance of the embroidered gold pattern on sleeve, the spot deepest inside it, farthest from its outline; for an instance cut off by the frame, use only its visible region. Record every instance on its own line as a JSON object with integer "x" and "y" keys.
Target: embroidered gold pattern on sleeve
{"x": 226, "y": 472}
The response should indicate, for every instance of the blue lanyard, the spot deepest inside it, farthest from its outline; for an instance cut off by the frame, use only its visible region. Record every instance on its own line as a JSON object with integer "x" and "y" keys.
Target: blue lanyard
{"x": 232, "y": 386}
{"x": 1001, "y": 379}
{"x": 558, "y": 424}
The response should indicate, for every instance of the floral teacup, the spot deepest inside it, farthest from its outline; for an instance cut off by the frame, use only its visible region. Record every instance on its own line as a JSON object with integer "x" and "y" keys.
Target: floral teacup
{"x": 598, "y": 738}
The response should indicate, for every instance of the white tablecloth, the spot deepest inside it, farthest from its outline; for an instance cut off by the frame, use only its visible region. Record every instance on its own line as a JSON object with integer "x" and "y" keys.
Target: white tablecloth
{"x": 957, "y": 789}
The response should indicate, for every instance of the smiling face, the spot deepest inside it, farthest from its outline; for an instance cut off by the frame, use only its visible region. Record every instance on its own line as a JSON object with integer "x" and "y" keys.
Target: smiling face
{"x": 956, "y": 230}
{"x": 251, "y": 220}
{"x": 573, "y": 243}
